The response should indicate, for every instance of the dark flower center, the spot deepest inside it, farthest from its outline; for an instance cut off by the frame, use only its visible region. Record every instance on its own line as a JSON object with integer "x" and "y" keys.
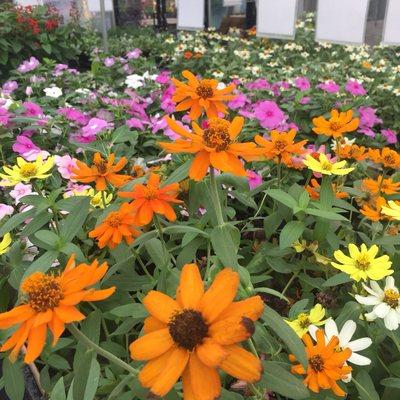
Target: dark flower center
{"x": 204, "y": 90}
{"x": 217, "y": 134}
{"x": 101, "y": 166}
{"x": 335, "y": 126}
{"x": 188, "y": 329}
{"x": 317, "y": 363}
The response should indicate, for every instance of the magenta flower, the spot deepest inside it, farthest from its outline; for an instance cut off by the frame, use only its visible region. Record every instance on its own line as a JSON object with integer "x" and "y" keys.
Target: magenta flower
{"x": 4, "y": 116}
{"x": 28, "y": 65}
{"x": 355, "y": 88}
{"x": 5, "y": 210}
{"x": 74, "y": 115}
{"x": 389, "y": 135}
{"x": 109, "y": 61}
{"x": 269, "y": 114}
{"x": 135, "y": 123}
{"x": 135, "y": 53}
{"x": 163, "y": 77}
{"x": 65, "y": 165}
{"x": 253, "y": 179}
{"x": 32, "y": 109}
{"x": 20, "y": 190}
{"x": 9, "y": 87}
{"x": 302, "y": 83}
{"x": 94, "y": 126}
{"x": 305, "y": 100}
{"x": 238, "y": 102}
{"x": 329, "y": 87}
{"x": 258, "y": 84}
{"x": 368, "y": 119}
{"x": 27, "y": 149}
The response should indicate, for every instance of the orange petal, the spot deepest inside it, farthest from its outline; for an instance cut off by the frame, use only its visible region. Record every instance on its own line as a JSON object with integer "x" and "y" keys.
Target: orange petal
{"x": 191, "y": 288}
{"x": 151, "y": 345}
{"x": 241, "y": 364}
{"x": 231, "y": 330}
{"x": 211, "y": 353}
{"x": 160, "y": 305}
{"x": 36, "y": 341}
{"x": 97, "y": 295}
{"x": 152, "y": 324}
{"x": 187, "y": 385}
{"x": 236, "y": 127}
{"x": 220, "y": 294}
{"x": 68, "y": 314}
{"x": 200, "y": 164}
{"x": 251, "y": 307}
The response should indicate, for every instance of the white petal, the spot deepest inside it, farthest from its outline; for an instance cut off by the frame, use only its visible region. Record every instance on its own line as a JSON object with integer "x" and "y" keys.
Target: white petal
{"x": 347, "y": 332}
{"x": 389, "y": 284}
{"x": 312, "y": 330}
{"x": 359, "y": 344}
{"x": 375, "y": 289}
{"x": 347, "y": 379}
{"x": 358, "y": 359}
{"x": 381, "y": 310}
{"x": 391, "y": 320}
{"x": 370, "y": 316}
{"x": 368, "y": 300}
{"x": 331, "y": 328}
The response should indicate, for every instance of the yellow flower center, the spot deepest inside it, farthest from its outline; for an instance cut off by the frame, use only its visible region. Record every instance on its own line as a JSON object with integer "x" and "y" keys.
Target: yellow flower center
{"x": 43, "y": 291}
{"x": 326, "y": 166}
{"x": 205, "y": 90}
{"x": 363, "y": 262}
{"x": 335, "y": 126}
{"x": 113, "y": 220}
{"x": 317, "y": 363}
{"x": 28, "y": 170}
{"x": 188, "y": 329}
{"x": 392, "y": 298}
{"x": 217, "y": 135}
{"x": 304, "y": 321}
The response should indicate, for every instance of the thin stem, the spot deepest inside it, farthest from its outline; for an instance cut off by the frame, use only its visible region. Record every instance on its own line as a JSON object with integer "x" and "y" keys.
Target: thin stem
{"x": 118, "y": 389}
{"x": 290, "y": 282}
{"x": 81, "y": 337}
{"x": 162, "y": 283}
{"x": 103, "y": 198}
{"x": 215, "y": 197}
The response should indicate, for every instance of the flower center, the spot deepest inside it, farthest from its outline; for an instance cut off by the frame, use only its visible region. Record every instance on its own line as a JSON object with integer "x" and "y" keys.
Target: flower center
{"x": 317, "y": 363}
{"x": 217, "y": 134}
{"x": 389, "y": 159}
{"x": 335, "y": 126}
{"x": 205, "y": 90}
{"x": 188, "y": 329}
{"x": 101, "y": 166}
{"x": 304, "y": 321}
{"x": 151, "y": 193}
{"x": 114, "y": 219}
{"x": 28, "y": 170}
{"x": 43, "y": 291}
{"x": 363, "y": 262}
{"x": 392, "y": 298}
{"x": 326, "y": 166}
{"x": 280, "y": 145}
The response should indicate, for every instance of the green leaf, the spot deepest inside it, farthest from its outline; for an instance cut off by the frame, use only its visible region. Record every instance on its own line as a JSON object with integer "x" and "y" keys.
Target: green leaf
{"x": 75, "y": 219}
{"x": 326, "y": 196}
{"x": 134, "y": 310}
{"x": 391, "y": 382}
{"x": 275, "y": 322}
{"x": 58, "y": 392}
{"x": 225, "y": 241}
{"x": 290, "y": 233}
{"x": 86, "y": 378}
{"x": 282, "y": 197}
{"x": 124, "y": 134}
{"x": 37, "y": 222}
{"x": 325, "y": 214}
{"x": 279, "y": 380}
{"x": 48, "y": 237}
{"x": 13, "y": 380}
{"x": 184, "y": 229}
{"x": 365, "y": 386}
{"x": 179, "y": 174}
{"x": 338, "y": 279}
{"x": 43, "y": 263}
{"x": 16, "y": 220}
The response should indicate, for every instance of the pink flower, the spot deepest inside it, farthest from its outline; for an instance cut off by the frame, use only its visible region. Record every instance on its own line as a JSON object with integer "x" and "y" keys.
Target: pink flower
{"x": 73, "y": 188}
{"x": 28, "y": 90}
{"x": 135, "y": 123}
{"x": 109, "y": 61}
{"x": 28, "y": 150}
{"x": 238, "y": 102}
{"x": 329, "y": 86}
{"x": 355, "y": 88}
{"x": 389, "y": 135}
{"x": 9, "y": 87}
{"x": 254, "y": 179}
{"x": 94, "y": 126}
{"x": 258, "y": 84}
{"x": 73, "y": 114}
{"x": 368, "y": 119}
{"x": 135, "y": 53}
{"x": 305, "y": 100}
{"x": 34, "y": 110}
{"x": 65, "y": 165}
{"x": 163, "y": 77}
{"x": 20, "y": 190}
{"x": 302, "y": 83}
{"x": 5, "y": 210}
{"x": 28, "y": 65}
{"x": 269, "y": 114}
{"x": 4, "y": 116}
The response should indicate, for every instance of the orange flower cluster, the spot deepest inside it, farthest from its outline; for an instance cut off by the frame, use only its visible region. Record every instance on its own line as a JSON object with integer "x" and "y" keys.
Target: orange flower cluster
{"x": 387, "y": 157}
{"x": 314, "y": 188}
{"x": 49, "y": 302}
{"x": 326, "y": 364}
{"x": 353, "y": 151}
{"x": 339, "y": 124}
{"x": 197, "y": 334}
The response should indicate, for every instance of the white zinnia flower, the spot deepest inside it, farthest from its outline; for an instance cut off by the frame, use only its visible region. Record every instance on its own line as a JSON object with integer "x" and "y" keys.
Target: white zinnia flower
{"x": 344, "y": 336}
{"x": 134, "y": 81}
{"x": 53, "y": 91}
{"x": 386, "y": 303}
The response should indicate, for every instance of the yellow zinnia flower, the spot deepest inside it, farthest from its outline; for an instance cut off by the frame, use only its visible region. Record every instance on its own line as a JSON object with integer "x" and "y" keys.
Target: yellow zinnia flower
{"x": 301, "y": 324}
{"x": 325, "y": 166}
{"x": 25, "y": 171}
{"x": 97, "y": 198}
{"x": 362, "y": 264}
{"x": 393, "y": 209}
{"x": 5, "y": 243}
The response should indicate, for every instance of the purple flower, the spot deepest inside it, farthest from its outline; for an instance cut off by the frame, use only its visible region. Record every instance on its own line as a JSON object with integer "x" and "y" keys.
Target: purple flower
{"x": 94, "y": 126}
{"x": 305, "y": 100}
{"x": 389, "y": 135}
{"x": 168, "y": 106}
{"x": 5, "y": 210}
{"x": 9, "y": 87}
{"x": 329, "y": 86}
{"x": 28, "y": 65}
{"x": 238, "y": 102}
{"x": 109, "y": 61}
{"x": 73, "y": 114}
{"x": 269, "y": 114}
{"x": 253, "y": 179}
{"x": 135, "y": 53}
{"x": 59, "y": 69}
{"x": 302, "y": 83}
{"x": 355, "y": 88}
{"x": 258, "y": 84}
{"x": 4, "y": 116}
{"x": 135, "y": 123}
{"x": 368, "y": 119}
{"x": 163, "y": 77}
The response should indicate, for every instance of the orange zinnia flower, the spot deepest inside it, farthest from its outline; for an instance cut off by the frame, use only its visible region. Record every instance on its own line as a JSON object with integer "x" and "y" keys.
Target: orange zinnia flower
{"x": 214, "y": 146}
{"x": 196, "y": 334}
{"x": 351, "y": 151}
{"x": 314, "y": 188}
{"x": 372, "y": 209}
{"x": 149, "y": 199}
{"x": 116, "y": 226}
{"x": 326, "y": 364}
{"x": 280, "y": 146}
{"x": 199, "y": 95}
{"x": 380, "y": 185}
{"x": 49, "y": 302}
{"x": 337, "y": 125}
{"x": 388, "y": 157}
{"x": 101, "y": 172}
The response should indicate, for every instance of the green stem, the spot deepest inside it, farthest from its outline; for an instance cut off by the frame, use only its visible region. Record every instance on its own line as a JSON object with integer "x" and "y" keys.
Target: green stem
{"x": 119, "y": 388}
{"x": 103, "y": 198}
{"x": 290, "y": 282}
{"x": 162, "y": 284}
{"x": 81, "y": 337}
{"x": 215, "y": 197}
{"x": 395, "y": 340}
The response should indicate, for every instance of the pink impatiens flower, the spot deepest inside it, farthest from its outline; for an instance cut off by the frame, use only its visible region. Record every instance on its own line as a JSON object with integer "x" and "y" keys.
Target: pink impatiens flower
{"x": 5, "y": 210}
{"x": 28, "y": 150}
{"x": 253, "y": 179}
{"x": 65, "y": 165}
{"x": 20, "y": 190}
{"x": 329, "y": 87}
{"x": 269, "y": 114}
{"x": 302, "y": 83}
{"x": 389, "y": 135}
{"x": 355, "y": 88}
